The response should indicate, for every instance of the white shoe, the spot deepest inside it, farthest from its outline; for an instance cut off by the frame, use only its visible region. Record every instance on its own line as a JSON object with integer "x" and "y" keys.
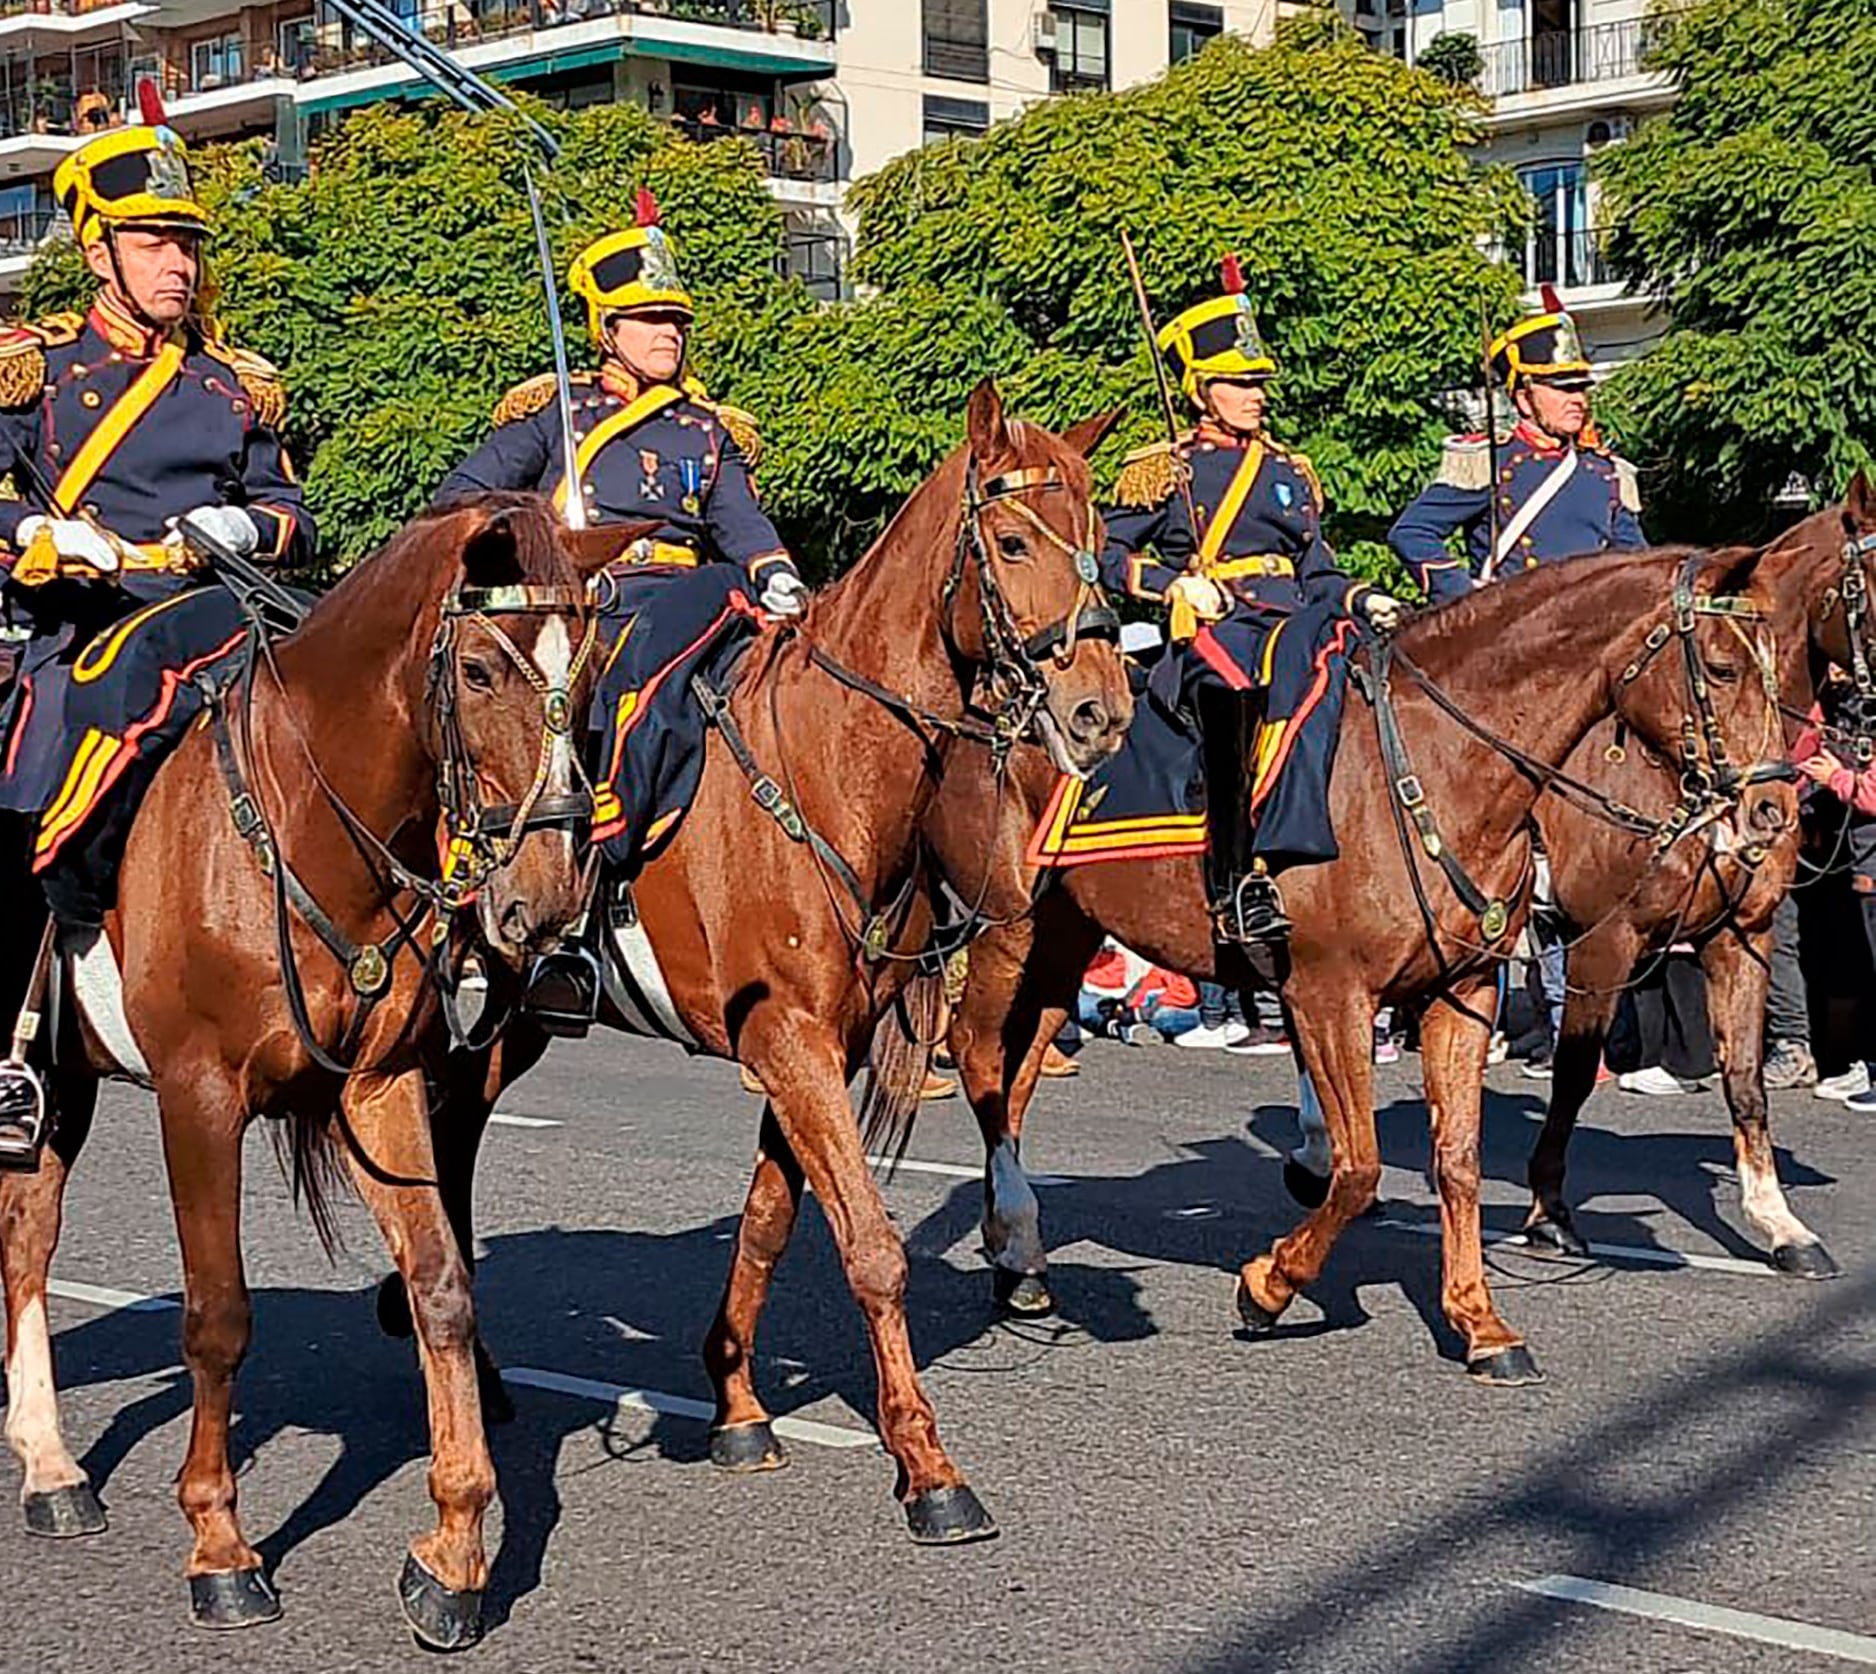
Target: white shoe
{"x": 1656, "y": 1083}
{"x": 1210, "y": 1037}
{"x": 1854, "y": 1080}
{"x": 1498, "y": 1051}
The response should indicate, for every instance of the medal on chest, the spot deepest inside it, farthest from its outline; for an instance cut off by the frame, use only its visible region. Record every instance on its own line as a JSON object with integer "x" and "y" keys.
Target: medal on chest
{"x": 649, "y": 488}
{"x": 691, "y": 472}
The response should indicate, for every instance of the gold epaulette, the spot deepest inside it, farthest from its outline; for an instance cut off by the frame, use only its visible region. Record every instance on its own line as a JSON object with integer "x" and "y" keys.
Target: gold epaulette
{"x": 1466, "y": 462}
{"x": 742, "y": 428}
{"x": 1628, "y": 483}
{"x": 23, "y": 357}
{"x": 260, "y": 380}
{"x": 1147, "y": 475}
{"x": 525, "y": 400}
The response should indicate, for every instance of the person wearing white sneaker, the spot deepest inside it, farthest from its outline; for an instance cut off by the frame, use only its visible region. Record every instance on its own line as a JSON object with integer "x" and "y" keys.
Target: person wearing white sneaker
{"x": 1851, "y": 1083}
{"x": 1221, "y": 1021}
{"x": 1657, "y": 1082}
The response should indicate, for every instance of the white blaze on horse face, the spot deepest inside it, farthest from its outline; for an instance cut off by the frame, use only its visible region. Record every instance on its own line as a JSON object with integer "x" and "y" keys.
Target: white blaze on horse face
{"x": 553, "y": 656}
{"x": 1013, "y": 1218}
{"x": 33, "y": 1404}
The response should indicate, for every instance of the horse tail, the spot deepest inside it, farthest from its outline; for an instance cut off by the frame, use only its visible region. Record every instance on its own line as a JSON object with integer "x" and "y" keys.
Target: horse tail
{"x": 897, "y": 1067}
{"x": 308, "y": 1153}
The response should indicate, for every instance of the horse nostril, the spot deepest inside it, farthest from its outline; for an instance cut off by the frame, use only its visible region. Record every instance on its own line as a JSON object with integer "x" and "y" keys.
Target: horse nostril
{"x": 517, "y": 923}
{"x": 1768, "y": 815}
{"x": 1089, "y": 720}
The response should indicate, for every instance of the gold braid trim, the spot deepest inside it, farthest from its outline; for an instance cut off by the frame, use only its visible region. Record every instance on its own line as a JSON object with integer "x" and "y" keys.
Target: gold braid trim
{"x": 525, "y": 400}
{"x": 22, "y": 370}
{"x": 743, "y": 432}
{"x": 1466, "y": 462}
{"x": 1147, "y": 476}
{"x": 266, "y": 389}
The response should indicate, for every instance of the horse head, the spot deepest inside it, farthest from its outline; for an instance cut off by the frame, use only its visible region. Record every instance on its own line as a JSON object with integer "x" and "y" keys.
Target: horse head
{"x": 1024, "y": 597}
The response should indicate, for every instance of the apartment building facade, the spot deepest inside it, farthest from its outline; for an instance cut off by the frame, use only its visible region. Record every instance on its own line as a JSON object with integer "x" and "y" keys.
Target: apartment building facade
{"x": 828, "y": 90}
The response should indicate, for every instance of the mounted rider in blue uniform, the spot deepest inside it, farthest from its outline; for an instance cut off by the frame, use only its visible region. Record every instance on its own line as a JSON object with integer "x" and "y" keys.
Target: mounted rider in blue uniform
{"x": 1225, "y": 526}
{"x": 650, "y": 447}
{"x": 1558, "y": 492}
{"x": 120, "y": 429}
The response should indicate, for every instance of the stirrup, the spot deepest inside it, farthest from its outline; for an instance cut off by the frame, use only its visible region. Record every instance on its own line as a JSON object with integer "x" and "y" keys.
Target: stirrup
{"x": 23, "y": 1112}
{"x": 1251, "y": 914}
{"x": 563, "y": 992}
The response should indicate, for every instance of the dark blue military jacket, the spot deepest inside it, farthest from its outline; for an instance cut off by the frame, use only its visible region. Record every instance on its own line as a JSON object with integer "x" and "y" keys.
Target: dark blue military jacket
{"x": 197, "y": 422}
{"x": 1260, "y": 517}
{"x": 1593, "y": 511}
{"x": 654, "y": 452}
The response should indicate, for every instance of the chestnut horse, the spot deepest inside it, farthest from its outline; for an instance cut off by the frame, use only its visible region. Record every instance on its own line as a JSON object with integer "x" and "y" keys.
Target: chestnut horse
{"x": 458, "y": 651}
{"x": 1537, "y": 662}
{"x": 1723, "y": 904}
{"x": 764, "y": 946}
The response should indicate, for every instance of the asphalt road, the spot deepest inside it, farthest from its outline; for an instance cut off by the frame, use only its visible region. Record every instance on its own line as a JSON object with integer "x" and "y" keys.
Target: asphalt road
{"x": 1339, "y": 1498}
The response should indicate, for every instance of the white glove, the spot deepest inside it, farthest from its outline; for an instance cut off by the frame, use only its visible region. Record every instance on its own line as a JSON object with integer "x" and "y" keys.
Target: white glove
{"x": 229, "y": 526}
{"x": 1385, "y": 611}
{"x": 71, "y": 538}
{"x": 1202, "y": 593}
{"x": 785, "y": 593}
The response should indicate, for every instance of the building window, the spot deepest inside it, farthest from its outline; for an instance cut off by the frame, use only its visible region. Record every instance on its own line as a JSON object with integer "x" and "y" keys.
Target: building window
{"x": 957, "y": 39}
{"x": 950, "y": 118}
{"x": 1192, "y": 27}
{"x": 298, "y": 39}
{"x": 216, "y": 63}
{"x": 1081, "y": 54}
{"x": 1563, "y": 248}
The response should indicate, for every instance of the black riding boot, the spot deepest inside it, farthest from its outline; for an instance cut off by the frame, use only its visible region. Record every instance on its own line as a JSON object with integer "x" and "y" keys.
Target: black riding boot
{"x": 23, "y": 1115}
{"x": 563, "y": 989}
{"x": 1246, "y": 908}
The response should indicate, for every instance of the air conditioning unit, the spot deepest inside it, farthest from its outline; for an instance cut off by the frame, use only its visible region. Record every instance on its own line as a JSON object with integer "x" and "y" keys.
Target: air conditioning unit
{"x": 1042, "y": 27}
{"x": 1605, "y": 130}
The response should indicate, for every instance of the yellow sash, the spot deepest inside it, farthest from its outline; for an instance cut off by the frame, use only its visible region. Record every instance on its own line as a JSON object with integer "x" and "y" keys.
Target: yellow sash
{"x": 1242, "y": 481}
{"x": 108, "y": 435}
{"x": 633, "y": 413}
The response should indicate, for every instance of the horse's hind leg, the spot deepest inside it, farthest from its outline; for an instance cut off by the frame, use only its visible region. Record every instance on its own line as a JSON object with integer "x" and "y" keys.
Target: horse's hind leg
{"x": 446, "y": 1571}
{"x": 1453, "y": 1041}
{"x": 1738, "y": 969}
{"x": 1000, "y": 1032}
{"x": 804, "y": 1069}
{"x": 741, "y": 1438}
{"x": 56, "y": 1494}
{"x": 1599, "y": 965}
{"x": 202, "y": 1146}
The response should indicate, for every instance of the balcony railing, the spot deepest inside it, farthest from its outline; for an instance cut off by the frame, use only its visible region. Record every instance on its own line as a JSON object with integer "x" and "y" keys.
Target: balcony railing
{"x": 1567, "y": 260}
{"x": 789, "y": 151}
{"x": 22, "y": 231}
{"x": 1569, "y": 57}
{"x": 452, "y": 23}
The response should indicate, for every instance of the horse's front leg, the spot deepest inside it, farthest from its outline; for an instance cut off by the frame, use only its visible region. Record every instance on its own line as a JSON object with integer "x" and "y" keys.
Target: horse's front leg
{"x": 1454, "y": 1037}
{"x": 446, "y": 1571}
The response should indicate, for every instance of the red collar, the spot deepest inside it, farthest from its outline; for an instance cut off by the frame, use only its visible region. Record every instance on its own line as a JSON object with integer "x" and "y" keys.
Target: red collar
{"x": 1220, "y": 436}
{"x": 129, "y": 336}
{"x": 1538, "y": 441}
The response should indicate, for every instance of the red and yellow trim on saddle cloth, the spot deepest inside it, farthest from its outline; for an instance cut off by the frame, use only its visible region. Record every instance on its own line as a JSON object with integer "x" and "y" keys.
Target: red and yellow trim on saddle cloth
{"x": 1277, "y": 737}
{"x": 101, "y": 759}
{"x": 1063, "y": 838}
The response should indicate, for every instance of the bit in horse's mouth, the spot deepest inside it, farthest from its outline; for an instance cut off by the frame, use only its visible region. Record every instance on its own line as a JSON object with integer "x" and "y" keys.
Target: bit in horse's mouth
{"x": 1057, "y": 745}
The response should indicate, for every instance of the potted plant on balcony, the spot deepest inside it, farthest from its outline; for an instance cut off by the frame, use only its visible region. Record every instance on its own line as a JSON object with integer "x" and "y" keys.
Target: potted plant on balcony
{"x": 1453, "y": 57}
{"x": 809, "y": 24}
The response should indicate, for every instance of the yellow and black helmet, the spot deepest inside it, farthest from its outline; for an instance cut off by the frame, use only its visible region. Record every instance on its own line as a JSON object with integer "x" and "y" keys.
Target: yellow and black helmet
{"x": 1544, "y": 349}
{"x": 630, "y": 272}
{"x": 129, "y": 177}
{"x": 1217, "y": 338}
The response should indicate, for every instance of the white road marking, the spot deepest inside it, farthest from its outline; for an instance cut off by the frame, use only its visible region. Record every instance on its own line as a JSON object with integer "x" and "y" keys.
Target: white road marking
{"x": 1712, "y": 1618}
{"x": 677, "y": 1406}
{"x": 958, "y": 1171}
{"x": 1616, "y": 1252}
{"x": 531, "y": 1377}
{"x": 505, "y": 1121}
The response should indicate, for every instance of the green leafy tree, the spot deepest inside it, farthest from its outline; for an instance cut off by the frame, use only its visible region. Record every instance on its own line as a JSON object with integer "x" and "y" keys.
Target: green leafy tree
{"x": 399, "y": 290}
{"x": 1342, "y": 179}
{"x": 1749, "y": 209}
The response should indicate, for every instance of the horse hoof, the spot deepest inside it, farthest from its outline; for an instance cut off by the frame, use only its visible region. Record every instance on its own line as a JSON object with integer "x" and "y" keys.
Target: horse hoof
{"x": 441, "y": 1619}
{"x": 64, "y": 1513}
{"x": 1258, "y": 1320}
{"x": 394, "y": 1308}
{"x": 1806, "y": 1261}
{"x": 1310, "y": 1190}
{"x": 1021, "y": 1293}
{"x": 1510, "y": 1368}
{"x": 948, "y": 1517}
{"x": 232, "y": 1598}
{"x": 1549, "y": 1237}
{"x": 747, "y": 1447}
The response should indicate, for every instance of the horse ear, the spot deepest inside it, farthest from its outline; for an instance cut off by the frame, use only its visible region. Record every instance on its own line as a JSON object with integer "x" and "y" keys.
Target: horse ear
{"x": 1859, "y": 504}
{"x": 1732, "y": 568}
{"x": 491, "y": 555}
{"x": 989, "y": 436}
{"x": 1090, "y": 433}
{"x": 593, "y": 549}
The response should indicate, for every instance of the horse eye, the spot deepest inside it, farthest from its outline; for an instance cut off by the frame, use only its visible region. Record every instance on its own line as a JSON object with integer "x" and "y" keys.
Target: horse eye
{"x": 1013, "y": 546}
{"x": 1725, "y": 673}
{"x": 476, "y": 675}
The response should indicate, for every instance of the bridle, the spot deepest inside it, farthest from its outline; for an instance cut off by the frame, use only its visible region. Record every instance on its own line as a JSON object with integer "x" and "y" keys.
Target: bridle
{"x": 1852, "y": 592}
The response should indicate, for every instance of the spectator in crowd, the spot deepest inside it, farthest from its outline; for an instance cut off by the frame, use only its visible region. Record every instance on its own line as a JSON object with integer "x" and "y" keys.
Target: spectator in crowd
{"x": 1789, "y": 1063}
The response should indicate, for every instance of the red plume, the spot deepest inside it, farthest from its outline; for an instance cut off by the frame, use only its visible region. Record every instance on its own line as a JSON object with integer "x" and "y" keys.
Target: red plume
{"x": 645, "y": 208}
{"x": 1553, "y": 304}
{"x": 1232, "y": 276}
{"x": 150, "y": 103}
